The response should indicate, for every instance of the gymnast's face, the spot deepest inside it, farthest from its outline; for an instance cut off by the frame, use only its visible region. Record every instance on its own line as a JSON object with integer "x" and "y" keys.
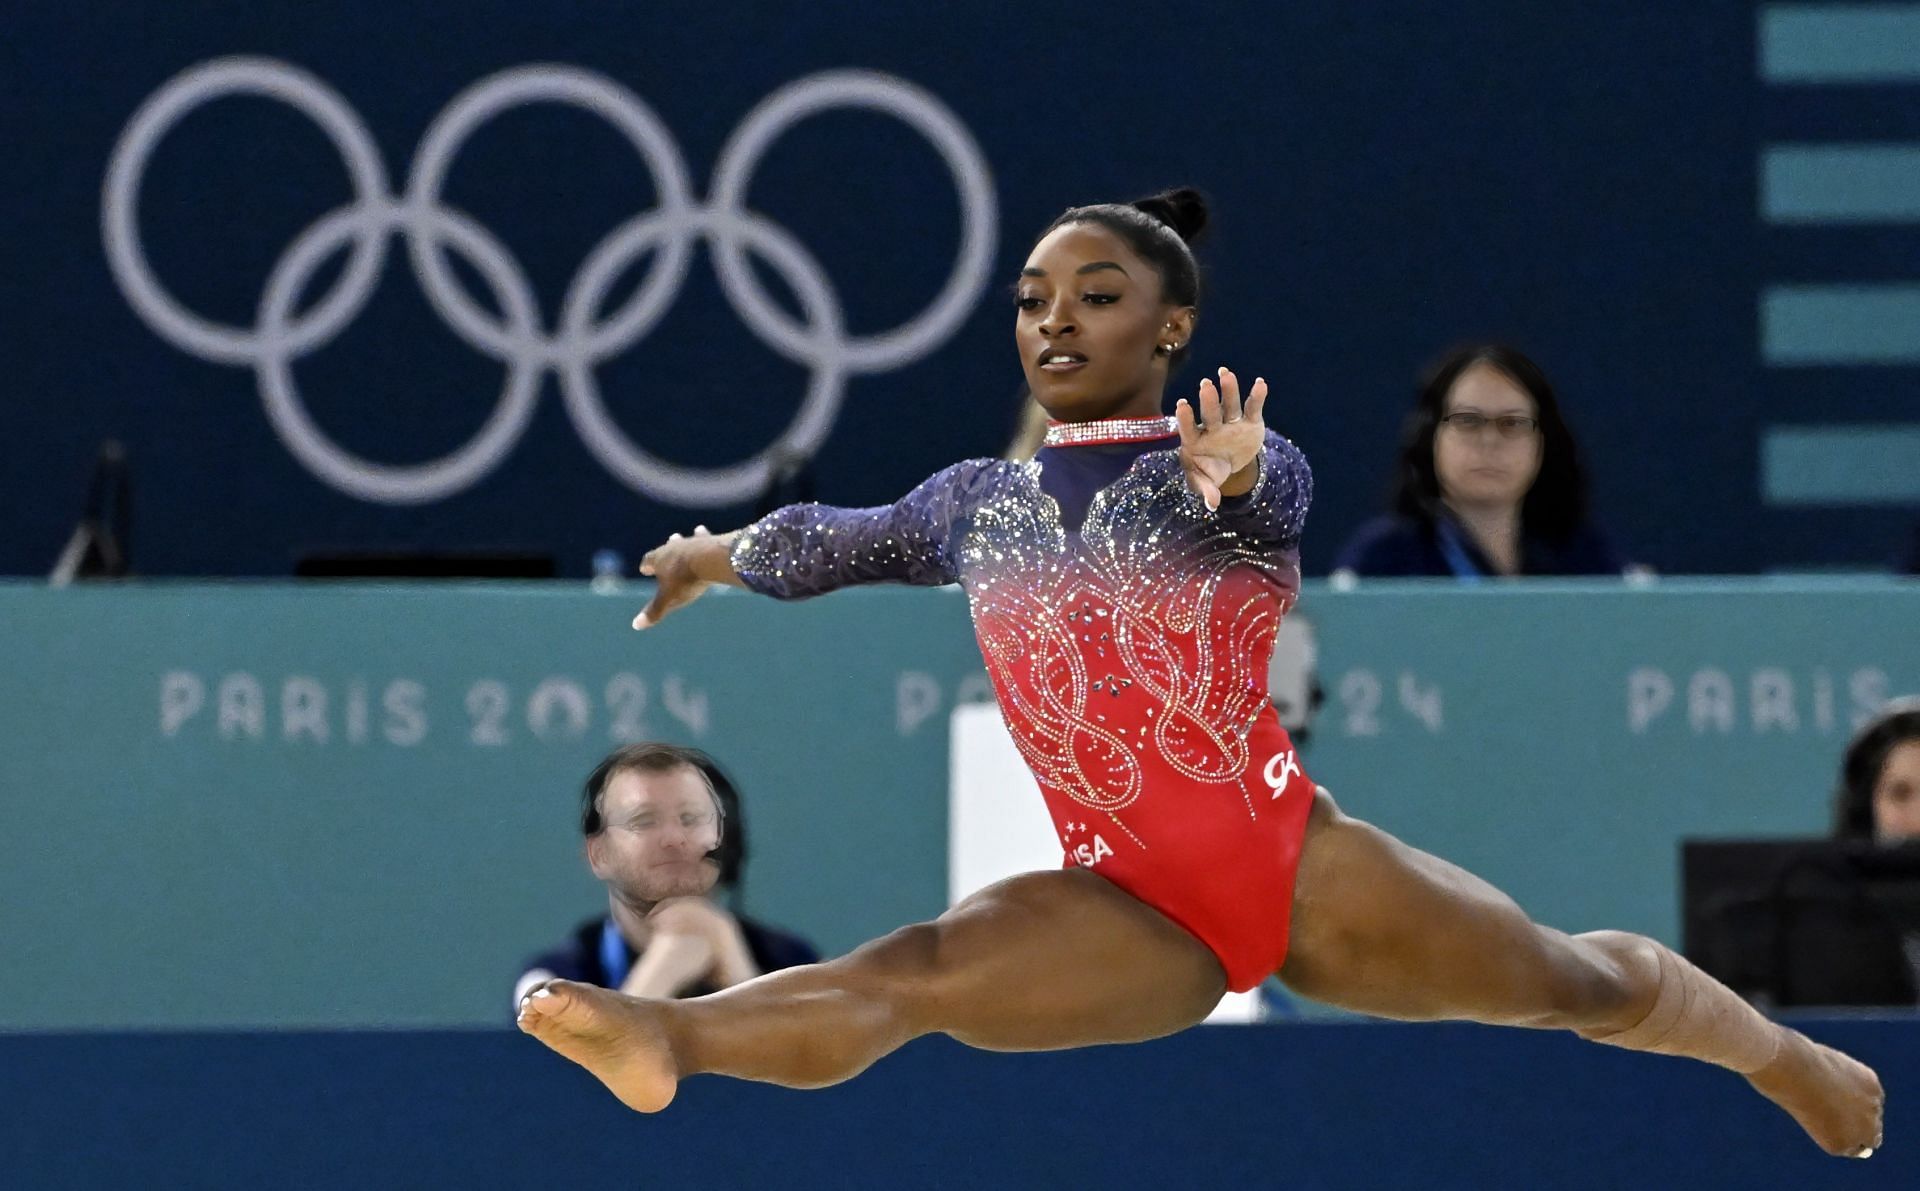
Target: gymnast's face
{"x": 1089, "y": 325}
{"x": 1488, "y": 465}
{"x": 657, "y": 830}
{"x": 1896, "y": 795}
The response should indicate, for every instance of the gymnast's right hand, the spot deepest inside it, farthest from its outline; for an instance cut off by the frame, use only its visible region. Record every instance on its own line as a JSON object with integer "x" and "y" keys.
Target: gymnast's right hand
{"x": 684, "y": 567}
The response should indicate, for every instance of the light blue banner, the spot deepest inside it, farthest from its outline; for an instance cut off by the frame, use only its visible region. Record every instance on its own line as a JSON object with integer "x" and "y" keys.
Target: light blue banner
{"x": 354, "y": 806}
{"x": 1842, "y": 465}
{"x": 1840, "y": 43}
{"x": 1855, "y": 323}
{"x": 1840, "y": 183}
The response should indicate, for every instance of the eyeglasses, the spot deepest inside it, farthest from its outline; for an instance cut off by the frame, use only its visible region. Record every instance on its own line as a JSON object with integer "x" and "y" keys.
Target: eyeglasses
{"x": 1508, "y": 426}
{"x": 690, "y": 822}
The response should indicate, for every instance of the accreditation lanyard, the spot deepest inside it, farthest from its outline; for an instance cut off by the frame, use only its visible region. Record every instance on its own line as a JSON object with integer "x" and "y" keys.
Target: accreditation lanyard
{"x": 1455, "y": 551}
{"x": 616, "y": 958}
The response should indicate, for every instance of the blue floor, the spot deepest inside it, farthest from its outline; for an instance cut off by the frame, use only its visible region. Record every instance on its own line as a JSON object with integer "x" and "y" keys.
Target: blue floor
{"x": 1290, "y": 1106}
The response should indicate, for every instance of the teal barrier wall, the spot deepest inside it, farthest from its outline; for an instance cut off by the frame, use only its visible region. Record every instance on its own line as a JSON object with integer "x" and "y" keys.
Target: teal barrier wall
{"x": 346, "y": 806}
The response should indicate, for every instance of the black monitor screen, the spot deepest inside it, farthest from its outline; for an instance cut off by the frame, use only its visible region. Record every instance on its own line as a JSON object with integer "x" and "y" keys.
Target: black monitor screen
{"x": 1804, "y": 922}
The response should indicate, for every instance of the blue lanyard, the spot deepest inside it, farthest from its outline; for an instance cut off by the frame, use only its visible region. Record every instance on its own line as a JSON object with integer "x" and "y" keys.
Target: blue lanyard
{"x": 615, "y": 957}
{"x": 1455, "y": 551}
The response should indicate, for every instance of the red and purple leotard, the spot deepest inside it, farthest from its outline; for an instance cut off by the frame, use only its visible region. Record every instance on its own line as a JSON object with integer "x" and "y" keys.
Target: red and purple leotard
{"x": 1127, "y": 630}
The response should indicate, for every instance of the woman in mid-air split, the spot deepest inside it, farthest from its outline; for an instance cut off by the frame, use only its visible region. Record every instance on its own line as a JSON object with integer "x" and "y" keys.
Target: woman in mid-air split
{"x": 1125, "y": 587}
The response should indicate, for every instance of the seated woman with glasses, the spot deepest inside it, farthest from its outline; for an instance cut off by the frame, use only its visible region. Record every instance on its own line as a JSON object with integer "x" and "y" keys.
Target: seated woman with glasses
{"x": 1490, "y": 482}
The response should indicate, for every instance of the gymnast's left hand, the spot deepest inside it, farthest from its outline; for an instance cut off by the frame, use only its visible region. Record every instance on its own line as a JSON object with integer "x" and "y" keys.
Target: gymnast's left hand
{"x": 685, "y": 567}
{"x": 1220, "y": 446}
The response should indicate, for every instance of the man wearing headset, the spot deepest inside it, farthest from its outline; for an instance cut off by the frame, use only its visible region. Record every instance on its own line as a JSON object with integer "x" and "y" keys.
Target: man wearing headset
{"x": 663, "y": 830}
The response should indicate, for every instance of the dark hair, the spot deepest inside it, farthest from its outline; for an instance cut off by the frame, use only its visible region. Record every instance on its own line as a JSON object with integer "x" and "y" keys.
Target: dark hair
{"x": 1161, "y": 230}
{"x": 1554, "y": 507}
{"x": 655, "y": 757}
{"x": 1865, "y": 757}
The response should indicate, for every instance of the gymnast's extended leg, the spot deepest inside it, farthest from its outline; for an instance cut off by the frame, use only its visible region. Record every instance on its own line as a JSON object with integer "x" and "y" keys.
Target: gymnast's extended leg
{"x": 1037, "y": 962}
{"x": 1384, "y": 929}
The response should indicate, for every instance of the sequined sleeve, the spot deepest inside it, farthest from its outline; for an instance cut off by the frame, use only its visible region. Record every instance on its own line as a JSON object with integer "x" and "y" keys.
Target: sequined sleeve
{"x": 811, "y": 549}
{"x": 1274, "y": 511}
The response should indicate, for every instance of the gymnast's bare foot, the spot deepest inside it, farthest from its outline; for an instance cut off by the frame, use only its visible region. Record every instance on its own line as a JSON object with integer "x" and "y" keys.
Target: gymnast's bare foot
{"x": 1837, "y": 1100}
{"x": 620, "y": 1039}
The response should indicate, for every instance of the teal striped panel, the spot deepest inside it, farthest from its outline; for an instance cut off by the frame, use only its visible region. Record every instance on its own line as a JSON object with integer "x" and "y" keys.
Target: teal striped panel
{"x": 1840, "y": 324}
{"x": 1840, "y": 43}
{"x": 1841, "y": 465}
{"x": 1840, "y": 183}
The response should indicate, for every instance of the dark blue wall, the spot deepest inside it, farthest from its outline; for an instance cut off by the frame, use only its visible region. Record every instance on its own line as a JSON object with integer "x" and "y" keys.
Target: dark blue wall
{"x": 1301, "y": 1107}
{"x": 1388, "y": 179}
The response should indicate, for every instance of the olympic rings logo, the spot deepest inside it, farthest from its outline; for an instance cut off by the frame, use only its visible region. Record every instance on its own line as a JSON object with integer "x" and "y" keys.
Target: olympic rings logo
{"x": 519, "y": 338}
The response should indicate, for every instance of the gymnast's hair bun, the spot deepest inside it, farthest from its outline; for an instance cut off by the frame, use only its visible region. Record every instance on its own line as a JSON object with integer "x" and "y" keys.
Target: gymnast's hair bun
{"x": 1183, "y": 209}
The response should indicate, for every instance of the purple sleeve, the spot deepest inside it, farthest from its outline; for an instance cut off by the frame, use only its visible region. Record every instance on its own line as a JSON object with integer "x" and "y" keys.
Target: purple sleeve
{"x": 1274, "y": 511}
{"x": 811, "y": 549}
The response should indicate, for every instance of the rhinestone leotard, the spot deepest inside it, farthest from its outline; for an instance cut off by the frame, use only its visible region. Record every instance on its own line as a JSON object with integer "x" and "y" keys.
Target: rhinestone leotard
{"x": 1127, "y": 630}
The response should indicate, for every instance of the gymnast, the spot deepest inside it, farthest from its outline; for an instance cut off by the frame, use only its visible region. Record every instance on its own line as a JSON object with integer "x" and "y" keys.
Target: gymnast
{"x": 1125, "y": 587}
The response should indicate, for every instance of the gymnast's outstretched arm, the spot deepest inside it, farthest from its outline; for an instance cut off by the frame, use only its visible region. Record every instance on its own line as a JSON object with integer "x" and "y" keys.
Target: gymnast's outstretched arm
{"x": 806, "y": 550}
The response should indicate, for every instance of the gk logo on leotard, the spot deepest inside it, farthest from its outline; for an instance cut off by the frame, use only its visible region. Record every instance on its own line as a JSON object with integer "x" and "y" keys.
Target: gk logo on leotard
{"x": 284, "y": 330}
{"x": 1281, "y": 767}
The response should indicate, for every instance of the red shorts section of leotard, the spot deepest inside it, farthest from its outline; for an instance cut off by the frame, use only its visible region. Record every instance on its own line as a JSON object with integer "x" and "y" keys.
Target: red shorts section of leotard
{"x": 1225, "y": 876}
